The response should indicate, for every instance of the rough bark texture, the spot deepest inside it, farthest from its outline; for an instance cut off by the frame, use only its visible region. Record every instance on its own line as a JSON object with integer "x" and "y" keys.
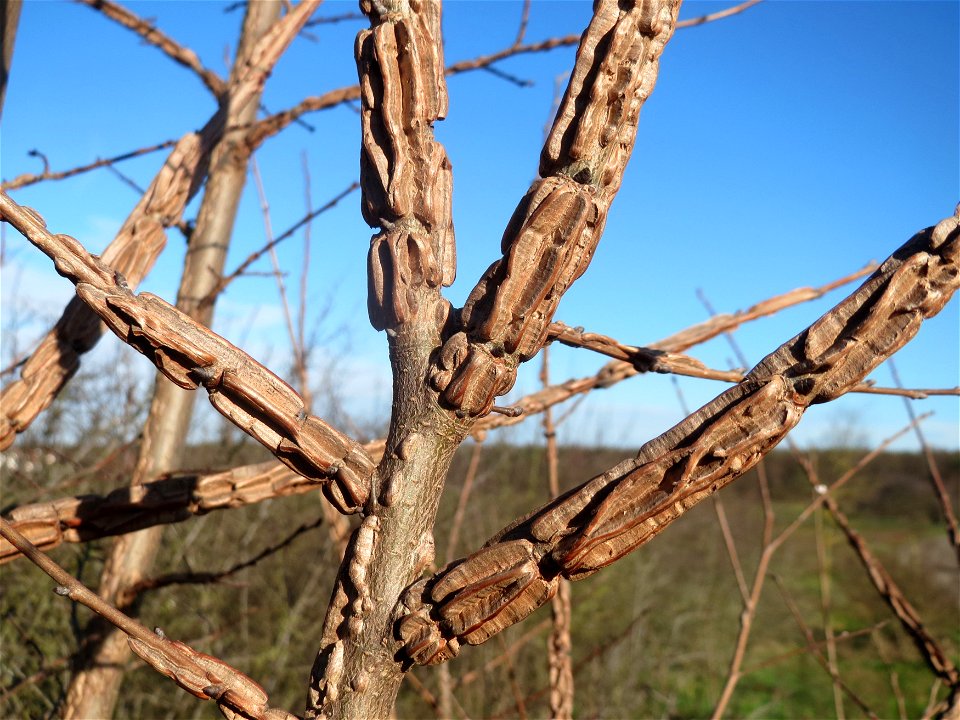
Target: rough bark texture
{"x": 95, "y": 684}
{"x": 595, "y": 524}
{"x": 471, "y": 357}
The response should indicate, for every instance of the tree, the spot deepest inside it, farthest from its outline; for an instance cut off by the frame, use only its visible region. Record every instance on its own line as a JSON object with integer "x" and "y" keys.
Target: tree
{"x": 449, "y": 364}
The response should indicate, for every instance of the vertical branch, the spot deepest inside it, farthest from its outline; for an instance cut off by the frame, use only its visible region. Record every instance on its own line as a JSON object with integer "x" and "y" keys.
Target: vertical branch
{"x": 407, "y": 193}
{"x": 823, "y": 574}
{"x": 95, "y": 685}
{"x": 559, "y": 661}
{"x": 464, "y": 498}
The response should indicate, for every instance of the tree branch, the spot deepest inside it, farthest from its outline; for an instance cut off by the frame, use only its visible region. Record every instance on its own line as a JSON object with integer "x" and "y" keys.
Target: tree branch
{"x": 152, "y": 36}
{"x": 141, "y": 239}
{"x": 201, "y": 675}
{"x": 33, "y": 178}
{"x": 191, "y": 355}
{"x": 593, "y": 525}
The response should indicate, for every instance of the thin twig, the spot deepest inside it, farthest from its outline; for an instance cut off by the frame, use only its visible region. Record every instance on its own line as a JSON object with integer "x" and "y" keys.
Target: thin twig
{"x": 814, "y": 650}
{"x": 191, "y": 670}
{"x": 938, "y": 661}
{"x": 735, "y": 672}
{"x": 936, "y": 480}
{"x": 253, "y": 257}
{"x": 31, "y": 178}
{"x": 208, "y": 578}
{"x": 464, "y": 498}
{"x": 704, "y": 19}
{"x": 823, "y": 575}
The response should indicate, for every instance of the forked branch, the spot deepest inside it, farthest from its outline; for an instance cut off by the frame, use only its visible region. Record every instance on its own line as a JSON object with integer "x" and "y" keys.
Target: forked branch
{"x": 152, "y": 36}
{"x": 141, "y": 238}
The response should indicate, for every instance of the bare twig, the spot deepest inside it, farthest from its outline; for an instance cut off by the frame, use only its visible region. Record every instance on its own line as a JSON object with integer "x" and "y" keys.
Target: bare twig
{"x": 814, "y": 650}
{"x": 141, "y": 239}
{"x": 275, "y": 123}
{"x": 152, "y": 36}
{"x": 703, "y": 19}
{"x": 938, "y": 661}
{"x": 207, "y": 578}
{"x": 253, "y": 257}
{"x": 463, "y": 499}
{"x": 559, "y": 644}
{"x": 936, "y": 480}
{"x": 823, "y": 576}
{"x": 32, "y": 178}
{"x": 619, "y": 370}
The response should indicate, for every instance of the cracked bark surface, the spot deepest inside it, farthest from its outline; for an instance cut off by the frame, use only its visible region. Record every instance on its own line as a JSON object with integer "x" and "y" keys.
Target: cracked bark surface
{"x": 614, "y": 513}
{"x": 448, "y": 366}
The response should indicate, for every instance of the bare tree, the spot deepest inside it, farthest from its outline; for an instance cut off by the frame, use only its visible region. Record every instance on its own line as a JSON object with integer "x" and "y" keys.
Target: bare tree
{"x": 391, "y": 607}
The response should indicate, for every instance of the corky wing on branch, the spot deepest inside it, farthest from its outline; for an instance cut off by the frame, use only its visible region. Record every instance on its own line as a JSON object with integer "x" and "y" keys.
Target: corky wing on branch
{"x": 191, "y": 355}
{"x": 595, "y": 524}
{"x": 554, "y": 231}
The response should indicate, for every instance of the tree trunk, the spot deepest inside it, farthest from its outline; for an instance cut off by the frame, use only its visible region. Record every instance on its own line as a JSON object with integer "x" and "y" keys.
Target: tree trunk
{"x": 95, "y": 685}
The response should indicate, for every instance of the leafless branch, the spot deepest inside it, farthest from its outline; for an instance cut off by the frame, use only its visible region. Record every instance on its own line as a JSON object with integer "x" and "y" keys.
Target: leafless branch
{"x": 141, "y": 238}
{"x": 253, "y": 257}
{"x": 33, "y": 178}
{"x": 938, "y": 661}
{"x": 703, "y": 19}
{"x": 593, "y": 525}
{"x": 152, "y": 36}
{"x": 207, "y": 578}
{"x": 201, "y": 675}
{"x": 936, "y": 480}
{"x": 191, "y": 355}
{"x": 813, "y": 648}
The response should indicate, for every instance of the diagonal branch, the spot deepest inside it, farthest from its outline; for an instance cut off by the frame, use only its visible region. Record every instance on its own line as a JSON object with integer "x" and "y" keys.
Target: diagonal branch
{"x": 645, "y": 359}
{"x": 201, "y": 675}
{"x": 595, "y": 524}
{"x": 554, "y": 231}
{"x": 191, "y": 355}
{"x": 719, "y": 15}
{"x": 32, "y": 178}
{"x": 910, "y": 620}
{"x": 141, "y": 239}
{"x": 152, "y": 36}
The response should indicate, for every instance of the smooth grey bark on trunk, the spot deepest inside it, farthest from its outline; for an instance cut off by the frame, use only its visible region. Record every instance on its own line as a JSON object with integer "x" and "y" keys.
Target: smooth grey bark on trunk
{"x": 97, "y": 677}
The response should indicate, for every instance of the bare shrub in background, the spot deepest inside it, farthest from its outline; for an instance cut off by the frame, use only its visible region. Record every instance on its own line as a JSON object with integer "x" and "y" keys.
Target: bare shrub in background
{"x": 391, "y": 607}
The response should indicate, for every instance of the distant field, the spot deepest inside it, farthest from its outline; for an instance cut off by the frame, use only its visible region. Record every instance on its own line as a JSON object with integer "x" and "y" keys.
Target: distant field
{"x": 652, "y": 634}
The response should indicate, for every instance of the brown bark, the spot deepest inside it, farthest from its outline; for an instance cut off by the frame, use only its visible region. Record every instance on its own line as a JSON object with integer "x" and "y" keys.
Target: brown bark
{"x": 10, "y": 16}
{"x": 595, "y": 524}
{"x": 439, "y": 395}
{"x": 140, "y": 241}
{"x": 95, "y": 684}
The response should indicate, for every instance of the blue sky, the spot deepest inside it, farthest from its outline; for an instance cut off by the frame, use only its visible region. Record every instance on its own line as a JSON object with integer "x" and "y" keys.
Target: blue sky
{"x": 786, "y": 146}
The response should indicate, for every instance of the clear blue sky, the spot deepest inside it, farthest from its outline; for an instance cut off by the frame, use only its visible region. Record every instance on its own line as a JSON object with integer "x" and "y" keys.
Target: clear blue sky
{"x": 786, "y": 146}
